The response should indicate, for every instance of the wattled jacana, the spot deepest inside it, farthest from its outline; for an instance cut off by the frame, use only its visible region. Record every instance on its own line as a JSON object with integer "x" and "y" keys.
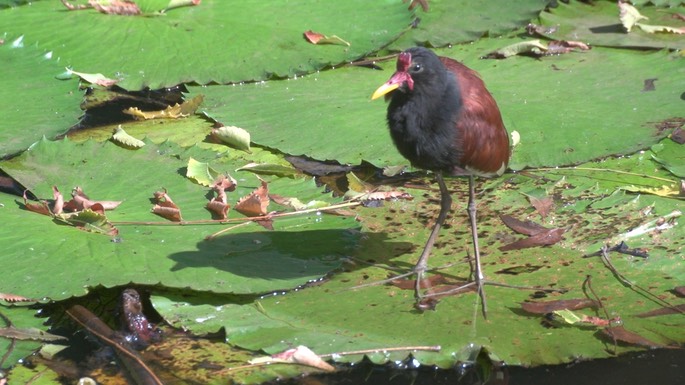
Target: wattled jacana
{"x": 443, "y": 119}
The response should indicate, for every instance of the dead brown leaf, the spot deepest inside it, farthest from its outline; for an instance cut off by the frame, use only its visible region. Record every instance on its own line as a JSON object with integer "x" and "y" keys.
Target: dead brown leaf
{"x": 165, "y": 207}
{"x": 319, "y": 38}
{"x": 557, "y": 47}
{"x": 80, "y": 201}
{"x": 537, "y": 235}
{"x": 256, "y": 203}
{"x": 619, "y": 333}
{"x": 41, "y": 207}
{"x": 219, "y": 205}
{"x": 542, "y": 205}
{"x": 109, "y": 7}
{"x": 544, "y": 307}
{"x": 679, "y": 309}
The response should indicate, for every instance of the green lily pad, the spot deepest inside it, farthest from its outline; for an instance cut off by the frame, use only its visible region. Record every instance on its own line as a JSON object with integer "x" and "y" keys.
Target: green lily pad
{"x": 598, "y": 24}
{"x": 333, "y": 118}
{"x": 214, "y": 41}
{"x": 25, "y": 120}
{"x": 50, "y": 259}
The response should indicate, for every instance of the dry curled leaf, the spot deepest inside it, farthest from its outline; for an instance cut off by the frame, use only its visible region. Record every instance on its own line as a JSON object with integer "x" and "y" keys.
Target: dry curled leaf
{"x": 629, "y": 15}
{"x": 165, "y": 207}
{"x": 109, "y": 7}
{"x": 42, "y": 207}
{"x": 544, "y": 307}
{"x": 300, "y": 355}
{"x": 319, "y": 38}
{"x": 557, "y": 47}
{"x": 98, "y": 79}
{"x": 219, "y": 205}
{"x": 80, "y": 201}
{"x": 121, "y": 137}
{"x": 235, "y": 137}
{"x": 58, "y": 206}
{"x": 256, "y": 203}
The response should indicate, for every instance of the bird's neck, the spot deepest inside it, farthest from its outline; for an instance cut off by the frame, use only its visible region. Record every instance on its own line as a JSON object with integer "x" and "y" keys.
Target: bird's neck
{"x": 435, "y": 105}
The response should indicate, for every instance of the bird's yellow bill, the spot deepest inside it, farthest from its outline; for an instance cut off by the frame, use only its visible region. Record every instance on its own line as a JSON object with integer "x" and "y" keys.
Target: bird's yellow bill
{"x": 384, "y": 89}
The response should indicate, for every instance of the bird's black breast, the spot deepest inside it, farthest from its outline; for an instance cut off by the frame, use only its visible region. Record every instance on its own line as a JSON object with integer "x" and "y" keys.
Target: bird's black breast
{"x": 423, "y": 125}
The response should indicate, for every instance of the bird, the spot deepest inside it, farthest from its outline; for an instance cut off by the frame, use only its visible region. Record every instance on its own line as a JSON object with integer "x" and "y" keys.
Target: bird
{"x": 442, "y": 118}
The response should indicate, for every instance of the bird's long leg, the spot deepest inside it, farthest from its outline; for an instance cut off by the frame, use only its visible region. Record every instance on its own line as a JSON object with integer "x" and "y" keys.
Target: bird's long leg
{"x": 445, "y": 206}
{"x": 479, "y": 277}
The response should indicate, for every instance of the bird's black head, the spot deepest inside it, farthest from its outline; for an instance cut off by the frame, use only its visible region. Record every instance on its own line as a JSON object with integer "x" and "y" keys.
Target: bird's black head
{"x": 418, "y": 70}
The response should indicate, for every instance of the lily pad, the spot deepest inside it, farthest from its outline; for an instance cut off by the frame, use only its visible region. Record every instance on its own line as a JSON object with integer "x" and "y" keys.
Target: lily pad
{"x": 48, "y": 259}
{"x": 33, "y": 73}
{"x": 214, "y": 41}
{"x": 598, "y": 24}
{"x": 336, "y": 104}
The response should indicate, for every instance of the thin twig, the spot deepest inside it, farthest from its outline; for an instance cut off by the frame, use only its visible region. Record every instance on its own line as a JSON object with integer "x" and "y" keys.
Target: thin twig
{"x": 237, "y": 220}
{"x": 211, "y": 237}
{"x": 602, "y": 170}
{"x": 631, "y": 285}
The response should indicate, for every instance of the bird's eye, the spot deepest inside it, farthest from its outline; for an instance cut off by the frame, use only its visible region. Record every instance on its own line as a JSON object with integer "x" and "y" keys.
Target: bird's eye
{"x": 416, "y": 67}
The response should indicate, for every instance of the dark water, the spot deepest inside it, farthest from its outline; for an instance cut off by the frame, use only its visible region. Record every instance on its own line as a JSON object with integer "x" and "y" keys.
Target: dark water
{"x": 657, "y": 367}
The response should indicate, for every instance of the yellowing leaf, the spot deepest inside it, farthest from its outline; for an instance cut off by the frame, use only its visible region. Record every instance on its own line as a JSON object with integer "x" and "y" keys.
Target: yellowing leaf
{"x": 120, "y": 136}
{"x": 660, "y": 28}
{"x": 568, "y": 316}
{"x": 535, "y": 47}
{"x": 176, "y": 111}
{"x": 667, "y": 191}
{"x": 233, "y": 136}
{"x": 629, "y": 15}
{"x": 269, "y": 169}
{"x": 201, "y": 172}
